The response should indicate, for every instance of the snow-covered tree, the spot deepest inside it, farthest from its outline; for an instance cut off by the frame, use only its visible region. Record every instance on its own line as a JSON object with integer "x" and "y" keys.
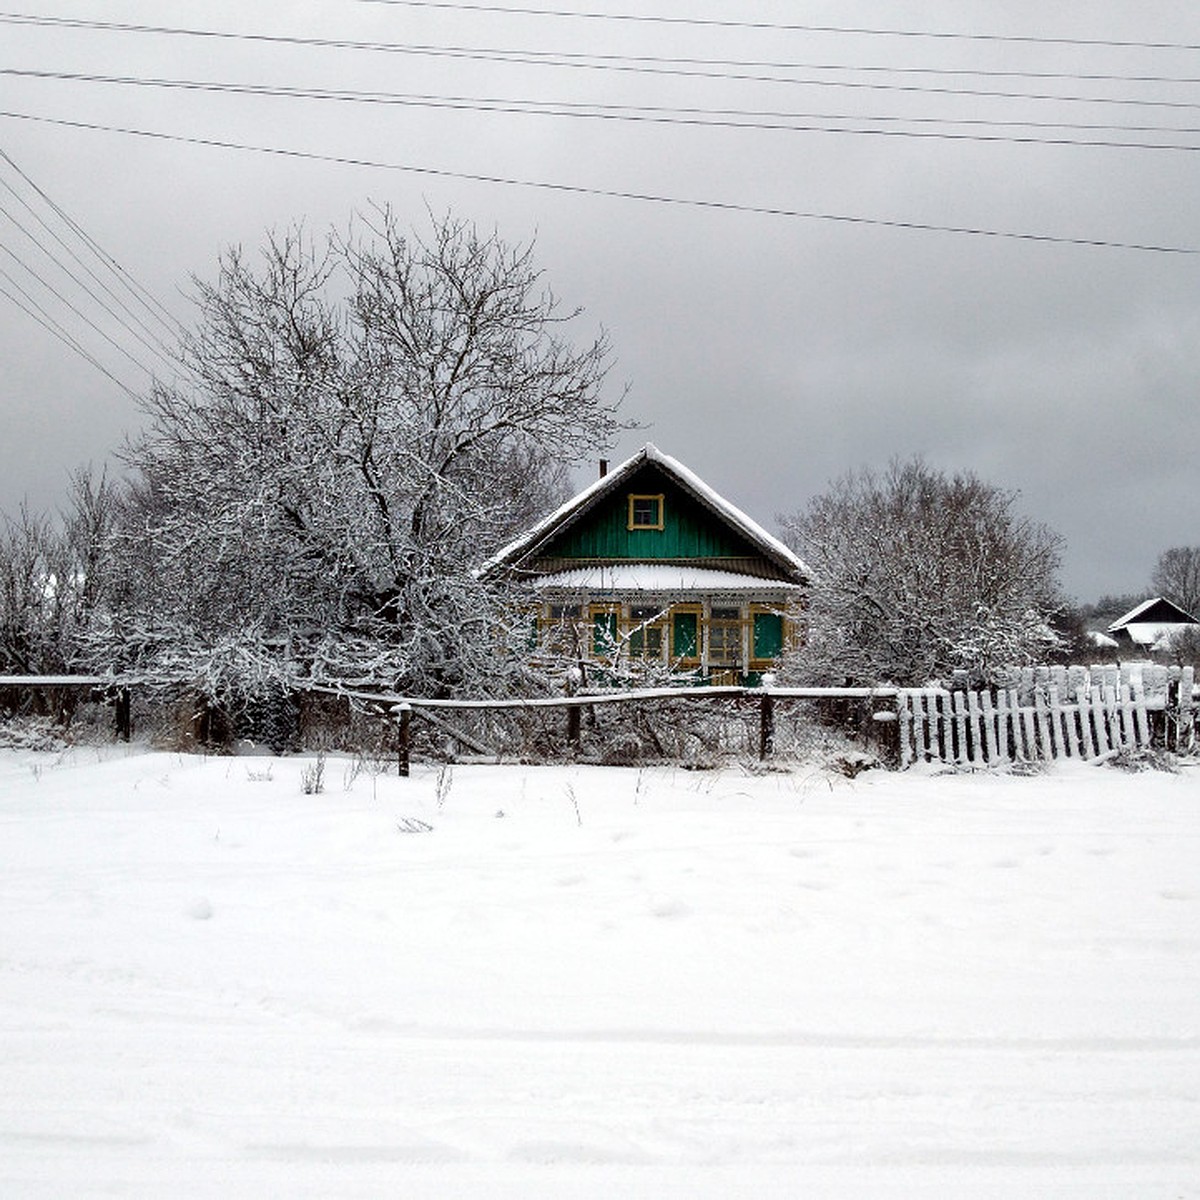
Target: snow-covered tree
{"x": 367, "y": 418}
{"x": 1177, "y": 577}
{"x": 917, "y": 573}
{"x": 53, "y": 578}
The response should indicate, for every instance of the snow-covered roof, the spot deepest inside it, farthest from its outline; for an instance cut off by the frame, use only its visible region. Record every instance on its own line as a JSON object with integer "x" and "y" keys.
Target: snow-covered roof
{"x": 529, "y": 541}
{"x": 1155, "y": 635}
{"x": 1177, "y": 616}
{"x": 657, "y": 577}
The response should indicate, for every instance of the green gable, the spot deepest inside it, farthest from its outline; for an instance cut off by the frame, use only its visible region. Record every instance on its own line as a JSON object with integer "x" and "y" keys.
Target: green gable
{"x": 690, "y": 533}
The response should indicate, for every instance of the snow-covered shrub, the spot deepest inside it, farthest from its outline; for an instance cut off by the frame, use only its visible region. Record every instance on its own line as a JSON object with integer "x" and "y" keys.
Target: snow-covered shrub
{"x": 32, "y": 733}
{"x": 852, "y": 763}
{"x": 623, "y": 749}
{"x": 1144, "y": 759}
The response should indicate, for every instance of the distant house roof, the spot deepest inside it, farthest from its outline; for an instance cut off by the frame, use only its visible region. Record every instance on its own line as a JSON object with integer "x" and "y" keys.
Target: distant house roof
{"x": 1153, "y": 622}
{"x": 526, "y": 547}
{"x": 1159, "y": 610}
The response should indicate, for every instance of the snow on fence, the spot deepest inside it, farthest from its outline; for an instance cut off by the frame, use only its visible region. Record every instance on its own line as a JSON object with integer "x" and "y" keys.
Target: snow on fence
{"x": 739, "y": 719}
{"x": 1030, "y": 714}
{"x": 1049, "y": 713}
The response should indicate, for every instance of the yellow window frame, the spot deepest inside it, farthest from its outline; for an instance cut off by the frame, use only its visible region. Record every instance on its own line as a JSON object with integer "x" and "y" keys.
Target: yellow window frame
{"x": 711, "y": 624}
{"x": 660, "y": 503}
{"x": 640, "y": 631}
{"x": 562, "y": 634}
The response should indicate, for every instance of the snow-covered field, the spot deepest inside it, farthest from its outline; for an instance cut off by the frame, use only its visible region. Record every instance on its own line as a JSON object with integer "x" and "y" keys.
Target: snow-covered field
{"x": 583, "y": 982}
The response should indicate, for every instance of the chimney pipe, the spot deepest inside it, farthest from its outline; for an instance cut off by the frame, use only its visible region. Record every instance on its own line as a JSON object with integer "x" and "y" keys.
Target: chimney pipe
{"x": 603, "y": 467}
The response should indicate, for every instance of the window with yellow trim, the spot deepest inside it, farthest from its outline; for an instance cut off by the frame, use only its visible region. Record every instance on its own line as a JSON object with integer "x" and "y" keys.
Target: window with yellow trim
{"x": 646, "y": 629}
{"x": 725, "y": 637}
{"x": 560, "y": 630}
{"x": 645, "y": 512}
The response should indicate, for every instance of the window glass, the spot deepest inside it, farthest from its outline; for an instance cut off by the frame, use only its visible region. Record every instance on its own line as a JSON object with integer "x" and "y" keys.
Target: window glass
{"x": 724, "y": 642}
{"x": 646, "y": 636}
{"x": 646, "y": 642}
{"x": 559, "y": 632}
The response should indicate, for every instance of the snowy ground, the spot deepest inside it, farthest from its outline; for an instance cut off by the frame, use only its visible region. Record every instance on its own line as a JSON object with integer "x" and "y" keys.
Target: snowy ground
{"x": 595, "y": 983}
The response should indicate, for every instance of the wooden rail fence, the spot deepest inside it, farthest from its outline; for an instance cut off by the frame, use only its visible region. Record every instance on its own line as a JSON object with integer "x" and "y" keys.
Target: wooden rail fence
{"x": 1030, "y": 715}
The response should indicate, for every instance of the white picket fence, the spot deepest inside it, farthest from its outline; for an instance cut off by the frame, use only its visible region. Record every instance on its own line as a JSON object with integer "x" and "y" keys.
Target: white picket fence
{"x": 1088, "y": 713}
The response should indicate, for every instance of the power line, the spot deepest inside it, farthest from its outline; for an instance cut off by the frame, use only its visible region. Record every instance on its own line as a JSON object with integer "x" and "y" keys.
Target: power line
{"x": 643, "y": 64}
{"x": 137, "y": 329}
{"x": 139, "y": 294}
{"x": 607, "y": 193}
{"x": 141, "y": 334}
{"x": 38, "y": 313}
{"x": 712, "y": 118}
{"x": 786, "y": 27}
{"x": 74, "y": 308}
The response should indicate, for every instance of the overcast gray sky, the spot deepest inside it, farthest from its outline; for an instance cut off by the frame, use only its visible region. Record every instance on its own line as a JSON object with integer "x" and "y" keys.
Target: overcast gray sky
{"x": 769, "y": 350}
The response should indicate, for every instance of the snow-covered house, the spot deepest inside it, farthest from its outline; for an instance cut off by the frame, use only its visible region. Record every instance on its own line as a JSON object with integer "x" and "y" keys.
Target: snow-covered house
{"x": 1152, "y": 625}
{"x": 650, "y": 567}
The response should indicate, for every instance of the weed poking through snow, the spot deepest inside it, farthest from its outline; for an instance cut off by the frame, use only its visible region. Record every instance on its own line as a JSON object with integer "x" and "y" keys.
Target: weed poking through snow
{"x": 312, "y": 778}
{"x": 445, "y": 781}
{"x": 574, "y": 804}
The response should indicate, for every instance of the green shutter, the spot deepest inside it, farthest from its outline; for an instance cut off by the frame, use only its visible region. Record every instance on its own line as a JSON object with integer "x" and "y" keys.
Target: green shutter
{"x": 684, "y": 635}
{"x": 768, "y": 635}
{"x": 604, "y": 633}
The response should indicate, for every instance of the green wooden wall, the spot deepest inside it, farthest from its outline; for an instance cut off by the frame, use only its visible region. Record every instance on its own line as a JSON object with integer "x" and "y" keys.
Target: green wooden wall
{"x": 689, "y": 530}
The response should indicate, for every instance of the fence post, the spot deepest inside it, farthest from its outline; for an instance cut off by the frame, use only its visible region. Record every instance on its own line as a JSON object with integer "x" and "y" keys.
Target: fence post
{"x": 570, "y": 687}
{"x": 121, "y": 715}
{"x": 1185, "y": 729}
{"x": 403, "y": 733}
{"x": 766, "y": 718}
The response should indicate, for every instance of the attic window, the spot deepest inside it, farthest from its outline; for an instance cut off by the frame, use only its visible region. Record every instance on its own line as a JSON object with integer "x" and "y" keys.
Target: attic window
{"x": 645, "y": 512}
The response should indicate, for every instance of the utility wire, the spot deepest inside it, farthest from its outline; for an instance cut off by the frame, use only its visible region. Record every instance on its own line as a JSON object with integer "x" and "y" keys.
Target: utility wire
{"x": 609, "y": 193}
{"x": 140, "y": 294}
{"x": 647, "y": 64}
{"x": 137, "y": 329}
{"x": 74, "y": 308}
{"x": 37, "y": 313}
{"x": 715, "y": 118}
{"x": 782, "y": 27}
